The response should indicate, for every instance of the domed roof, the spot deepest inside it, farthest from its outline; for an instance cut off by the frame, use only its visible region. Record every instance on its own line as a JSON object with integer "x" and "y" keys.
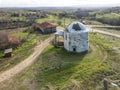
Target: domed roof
{"x": 76, "y": 27}
{"x": 60, "y": 33}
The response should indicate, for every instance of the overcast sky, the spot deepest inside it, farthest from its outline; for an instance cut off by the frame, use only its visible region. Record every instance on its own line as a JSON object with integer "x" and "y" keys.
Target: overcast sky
{"x": 41, "y": 3}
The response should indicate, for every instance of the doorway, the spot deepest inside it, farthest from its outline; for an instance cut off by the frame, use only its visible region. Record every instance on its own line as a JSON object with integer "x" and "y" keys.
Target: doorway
{"x": 74, "y": 49}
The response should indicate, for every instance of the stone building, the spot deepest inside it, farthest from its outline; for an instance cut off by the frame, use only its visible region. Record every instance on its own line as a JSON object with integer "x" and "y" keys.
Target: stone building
{"x": 76, "y": 37}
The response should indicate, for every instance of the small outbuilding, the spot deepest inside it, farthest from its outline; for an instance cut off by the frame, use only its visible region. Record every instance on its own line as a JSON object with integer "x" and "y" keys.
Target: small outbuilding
{"x": 45, "y": 27}
{"x": 8, "y": 52}
{"x": 59, "y": 38}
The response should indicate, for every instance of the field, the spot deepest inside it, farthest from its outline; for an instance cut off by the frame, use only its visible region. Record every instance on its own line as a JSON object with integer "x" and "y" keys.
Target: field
{"x": 20, "y": 53}
{"x": 56, "y": 20}
{"x": 26, "y": 47}
{"x": 56, "y": 69}
{"x": 110, "y": 29}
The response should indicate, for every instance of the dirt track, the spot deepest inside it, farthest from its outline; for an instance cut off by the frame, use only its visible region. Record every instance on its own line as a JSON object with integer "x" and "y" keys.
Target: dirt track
{"x": 107, "y": 33}
{"x": 103, "y": 32}
{"x": 38, "y": 49}
{"x": 27, "y": 62}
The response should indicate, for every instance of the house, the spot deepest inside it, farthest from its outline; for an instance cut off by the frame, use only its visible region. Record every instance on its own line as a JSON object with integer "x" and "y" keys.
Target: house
{"x": 8, "y": 52}
{"x": 45, "y": 27}
{"x": 7, "y": 41}
{"x": 75, "y": 37}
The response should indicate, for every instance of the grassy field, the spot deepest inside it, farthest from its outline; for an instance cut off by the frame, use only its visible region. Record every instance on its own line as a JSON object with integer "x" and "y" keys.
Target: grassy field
{"x": 55, "y": 20}
{"x": 23, "y": 51}
{"x": 111, "y": 30}
{"x": 20, "y": 53}
{"x": 56, "y": 69}
{"x": 20, "y": 35}
{"x": 11, "y": 31}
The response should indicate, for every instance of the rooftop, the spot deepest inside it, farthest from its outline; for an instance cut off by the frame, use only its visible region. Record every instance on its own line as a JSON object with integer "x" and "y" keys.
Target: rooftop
{"x": 76, "y": 27}
{"x": 46, "y": 25}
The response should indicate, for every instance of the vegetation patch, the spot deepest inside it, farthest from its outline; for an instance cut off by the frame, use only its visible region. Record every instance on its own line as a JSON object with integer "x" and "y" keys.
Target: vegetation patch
{"x": 19, "y": 53}
{"x": 58, "y": 69}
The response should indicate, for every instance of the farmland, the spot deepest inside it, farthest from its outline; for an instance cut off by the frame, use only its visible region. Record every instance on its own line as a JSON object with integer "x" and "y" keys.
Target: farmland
{"x": 74, "y": 70}
{"x": 55, "y": 68}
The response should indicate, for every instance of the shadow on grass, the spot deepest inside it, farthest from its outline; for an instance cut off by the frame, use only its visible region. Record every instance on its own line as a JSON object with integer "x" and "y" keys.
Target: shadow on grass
{"x": 54, "y": 63}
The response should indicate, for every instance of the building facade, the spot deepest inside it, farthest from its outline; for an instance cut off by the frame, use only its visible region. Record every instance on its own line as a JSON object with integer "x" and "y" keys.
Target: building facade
{"x": 76, "y": 38}
{"x": 46, "y": 27}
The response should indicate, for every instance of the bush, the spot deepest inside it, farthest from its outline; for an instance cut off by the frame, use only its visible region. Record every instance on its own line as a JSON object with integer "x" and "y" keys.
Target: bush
{"x": 112, "y": 19}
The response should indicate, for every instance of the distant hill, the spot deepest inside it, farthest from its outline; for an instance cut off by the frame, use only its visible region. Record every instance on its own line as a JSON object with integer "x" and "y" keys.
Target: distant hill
{"x": 111, "y": 10}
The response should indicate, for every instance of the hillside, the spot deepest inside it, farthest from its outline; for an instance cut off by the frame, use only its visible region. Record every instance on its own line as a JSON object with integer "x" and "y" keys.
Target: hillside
{"x": 56, "y": 69}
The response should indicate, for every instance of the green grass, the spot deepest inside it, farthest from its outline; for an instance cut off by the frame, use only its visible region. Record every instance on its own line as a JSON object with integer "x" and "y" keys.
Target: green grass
{"x": 42, "y": 37}
{"x": 111, "y": 30}
{"x": 21, "y": 18}
{"x": 1, "y": 53}
{"x": 58, "y": 69}
{"x": 55, "y": 20}
{"x": 20, "y": 35}
{"x": 68, "y": 66}
{"x": 19, "y": 54}
{"x": 109, "y": 16}
{"x": 93, "y": 22}
{"x": 27, "y": 45}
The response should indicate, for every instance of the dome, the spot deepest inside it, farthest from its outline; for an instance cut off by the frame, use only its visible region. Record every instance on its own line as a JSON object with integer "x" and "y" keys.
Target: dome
{"x": 60, "y": 33}
{"x": 76, "y": 27}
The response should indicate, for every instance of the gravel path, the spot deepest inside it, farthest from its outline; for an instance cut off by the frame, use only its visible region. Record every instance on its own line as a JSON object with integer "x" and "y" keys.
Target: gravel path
{"x": 25, "y": 63}
{"x": 38, "y": 49}
{"x": 104, "y": 32}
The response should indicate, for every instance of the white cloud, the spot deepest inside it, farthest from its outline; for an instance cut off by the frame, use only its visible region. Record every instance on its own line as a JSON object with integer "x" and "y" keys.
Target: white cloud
{"x": 19, "y": 3}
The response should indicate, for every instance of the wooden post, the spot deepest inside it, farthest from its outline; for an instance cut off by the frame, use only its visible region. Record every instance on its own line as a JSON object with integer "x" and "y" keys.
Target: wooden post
{"x": 105, "y": 83}
{"x": 64, "y": 22}
{"x": 55, "y": 42}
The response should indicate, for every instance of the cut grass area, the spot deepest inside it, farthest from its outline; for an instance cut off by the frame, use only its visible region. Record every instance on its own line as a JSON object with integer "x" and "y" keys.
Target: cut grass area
{"x": 58, "y": 69}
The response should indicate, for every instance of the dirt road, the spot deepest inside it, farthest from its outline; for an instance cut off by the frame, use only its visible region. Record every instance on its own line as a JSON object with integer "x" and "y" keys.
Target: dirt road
{"x": 38, "y": 49}
{"x": 104, "y": 32}
{"x": 25, "y": 63}
{"x": 107, "y": 33}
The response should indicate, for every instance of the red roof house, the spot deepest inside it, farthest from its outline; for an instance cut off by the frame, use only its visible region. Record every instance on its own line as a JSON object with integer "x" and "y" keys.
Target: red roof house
{"x": 46, "y": 27}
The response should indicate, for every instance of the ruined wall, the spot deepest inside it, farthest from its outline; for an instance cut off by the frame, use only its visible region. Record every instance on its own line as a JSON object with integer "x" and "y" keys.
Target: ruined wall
{"x": 76, "y": 42}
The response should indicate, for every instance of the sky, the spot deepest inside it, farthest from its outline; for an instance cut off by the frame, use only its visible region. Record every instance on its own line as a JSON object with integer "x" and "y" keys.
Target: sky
{"x": 48, "y": 3}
